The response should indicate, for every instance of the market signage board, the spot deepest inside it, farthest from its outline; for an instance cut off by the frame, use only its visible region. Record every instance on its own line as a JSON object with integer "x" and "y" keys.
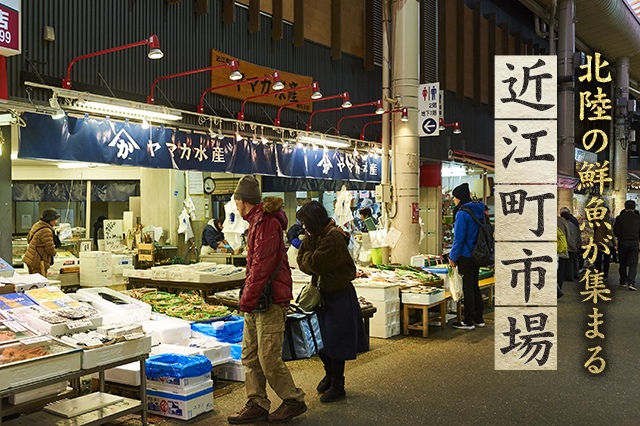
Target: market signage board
{"x": 10, "y": 28}
{"x": 92, "y": 140}
{"x": 220, "y": 77}
{"x": 429, "y": 109}
{"x": 526, "y": 199}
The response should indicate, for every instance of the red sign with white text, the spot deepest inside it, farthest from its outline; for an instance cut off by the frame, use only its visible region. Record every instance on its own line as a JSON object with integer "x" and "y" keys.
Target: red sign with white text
{"x": 9, "y": 27}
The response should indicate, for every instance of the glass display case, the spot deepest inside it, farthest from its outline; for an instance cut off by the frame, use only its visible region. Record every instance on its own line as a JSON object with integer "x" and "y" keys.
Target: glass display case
{"x": 71, "y": 245}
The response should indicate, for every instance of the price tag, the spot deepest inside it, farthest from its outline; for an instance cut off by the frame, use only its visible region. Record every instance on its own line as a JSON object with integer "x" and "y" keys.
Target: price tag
{"x": 78, "y": 324}
{"x": 14, "y": 326}
{"x": 133, "y": 336}
{"x": 35, "y": 340}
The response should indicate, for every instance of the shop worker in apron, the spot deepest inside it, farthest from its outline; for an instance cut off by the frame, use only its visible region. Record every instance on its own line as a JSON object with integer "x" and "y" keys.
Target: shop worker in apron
{"x": 325, "y": 256}
{"x": 42, "y": 247}
{"x": 263, "y": 332}
{"x": 465, "y": 235}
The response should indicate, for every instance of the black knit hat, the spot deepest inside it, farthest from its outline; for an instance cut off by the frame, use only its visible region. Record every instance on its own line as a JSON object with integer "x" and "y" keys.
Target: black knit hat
{"x": 630, "y": 205}
{"x": 50, "y": 215}
{"x": 248, "y": 190}
{"x": 461, "y": 192}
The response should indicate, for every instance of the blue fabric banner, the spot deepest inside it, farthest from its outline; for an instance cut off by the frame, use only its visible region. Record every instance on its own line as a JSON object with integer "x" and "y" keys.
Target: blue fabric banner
{"x": 93, "y": 140}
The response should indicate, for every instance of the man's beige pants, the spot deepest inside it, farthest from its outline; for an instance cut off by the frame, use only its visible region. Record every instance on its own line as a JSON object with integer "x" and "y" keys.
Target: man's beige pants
{"x": 262, "y": 357}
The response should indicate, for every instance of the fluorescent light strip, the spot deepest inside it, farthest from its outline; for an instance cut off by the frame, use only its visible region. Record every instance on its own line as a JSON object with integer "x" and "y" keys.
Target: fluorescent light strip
{"x": 129, "y": 110}
{"x": 331, "y": 143}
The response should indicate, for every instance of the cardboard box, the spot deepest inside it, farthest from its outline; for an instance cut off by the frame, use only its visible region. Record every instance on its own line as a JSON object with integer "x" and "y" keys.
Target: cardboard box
{"x": 179, "y": 405}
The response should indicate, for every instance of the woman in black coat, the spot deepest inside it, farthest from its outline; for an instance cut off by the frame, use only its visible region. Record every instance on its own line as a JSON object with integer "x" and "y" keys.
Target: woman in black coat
{"x": 324, "y": 255}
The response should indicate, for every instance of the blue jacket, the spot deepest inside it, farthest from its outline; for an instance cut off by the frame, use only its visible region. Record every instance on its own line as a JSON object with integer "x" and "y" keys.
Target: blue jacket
{"x": 465, "y": 231}
{"x": 211, "y": 237}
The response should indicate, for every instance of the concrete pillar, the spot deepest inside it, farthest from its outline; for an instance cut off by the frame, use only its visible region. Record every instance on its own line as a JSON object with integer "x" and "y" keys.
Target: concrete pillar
{"x": 386, "y": 142}
{"x": 620, "y": 159}
{"x": 5, "y": 195}
{"x": 162, "y": 193}
{"x": 566, "y": 48}
{"x": 406, "y": 143}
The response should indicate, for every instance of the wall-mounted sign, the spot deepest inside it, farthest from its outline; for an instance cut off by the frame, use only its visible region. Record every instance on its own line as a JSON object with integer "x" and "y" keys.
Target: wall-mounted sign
{"x": 10, "y": 28}
{"x": 220, "y": 77}
{"x": 429, "y": 109}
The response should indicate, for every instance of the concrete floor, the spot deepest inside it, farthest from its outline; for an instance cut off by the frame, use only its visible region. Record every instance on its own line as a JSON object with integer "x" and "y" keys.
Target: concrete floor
{"x": 449, "y": 377}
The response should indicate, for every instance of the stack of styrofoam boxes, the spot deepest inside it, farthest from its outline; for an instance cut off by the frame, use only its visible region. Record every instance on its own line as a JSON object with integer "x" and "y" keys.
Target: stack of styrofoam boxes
{"x": 385, "y": 322}
{"x": 96, "y": 269}
{"x": 181, "y": 398}
{"x": 119, "y": 263}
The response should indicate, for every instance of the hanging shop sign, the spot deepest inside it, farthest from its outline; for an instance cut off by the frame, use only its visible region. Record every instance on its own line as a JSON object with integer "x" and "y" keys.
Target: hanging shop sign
{"x": 250, "y": 71}
{"x": 94, "y": 140}
{"x": 429, "y": 109}
{"x": 10, "y": 28}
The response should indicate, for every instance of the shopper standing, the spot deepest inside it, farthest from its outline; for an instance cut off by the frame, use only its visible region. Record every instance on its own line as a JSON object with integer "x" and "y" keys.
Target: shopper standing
{"x": 603, "y": 237}
{"x": 325, "y": 256}
{"x": 465, "y": 235}
{"x": 264, "y": 332}
{"x": 574, "y": 242}
{"x": 42, "y": 247}
{"x": 627, "y": 229}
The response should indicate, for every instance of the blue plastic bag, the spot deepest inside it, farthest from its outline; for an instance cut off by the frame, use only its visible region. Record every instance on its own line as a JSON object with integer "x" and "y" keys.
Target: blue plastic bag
{"x": 236, "y": 351}
{"x": 176, "y": 365}
{"x": 227, "y": 331}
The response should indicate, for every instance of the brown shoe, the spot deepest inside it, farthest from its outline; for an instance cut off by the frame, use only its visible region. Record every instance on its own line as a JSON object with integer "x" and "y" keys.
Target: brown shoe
{"x": 251, "y": 413}
{"x": 288, "y": 410}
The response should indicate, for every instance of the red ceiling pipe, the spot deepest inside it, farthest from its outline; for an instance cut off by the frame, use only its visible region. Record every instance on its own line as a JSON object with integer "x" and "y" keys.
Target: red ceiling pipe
{"x": 402, "y": 110}
{"x": 365, "y": 126}
{"x": 275, "y": 77}
{"x": 377, "y": 103}
{"x": 316, "y": 95}
{"x": 234, "y": 73}
{"x": 154, "y": 53}
{"x": 345, "y": 103}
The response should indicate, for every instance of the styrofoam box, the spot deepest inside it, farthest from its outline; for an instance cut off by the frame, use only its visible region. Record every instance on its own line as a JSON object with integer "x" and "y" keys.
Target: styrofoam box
{"x": 179, "y": 406}
{"x": 58, "y": 329}
{"x": 382, "y": 319}
{"x": 232, "y": 370}
{"x": 137, "y": 273}
{"x": 167, "y": 330}
{"x": 134, "y": 311}
{"x": 66, "y": 262}
{"x": 382, "y": 293}
{"x": 384, "y": 331}
{"x": 442, "y": 273}
{"x": 35, "y": 370}
{"x": 418, "y": 260}
{"x": 217, "y": 354}
{"x": 159, "y": 273}
{"x": 423, "y": 299}
{"x": 118, "y": 351}
{"x": 175, "y": 383}
{"x": 41, "y": 392}
{"x": 387, "y": 307}
{"x": 120, "y": 262}
{"x": 127, "y": 374}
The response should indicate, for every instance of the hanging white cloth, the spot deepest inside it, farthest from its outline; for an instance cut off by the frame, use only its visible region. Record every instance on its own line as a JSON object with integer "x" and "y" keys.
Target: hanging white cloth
{"x": 343, "y": 206}
{"x": 234, "y": 225}
{"x": 184, "y": 226}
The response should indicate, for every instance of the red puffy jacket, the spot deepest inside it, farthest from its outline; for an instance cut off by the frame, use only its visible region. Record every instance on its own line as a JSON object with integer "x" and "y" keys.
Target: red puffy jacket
{"x": 266, "y": 247}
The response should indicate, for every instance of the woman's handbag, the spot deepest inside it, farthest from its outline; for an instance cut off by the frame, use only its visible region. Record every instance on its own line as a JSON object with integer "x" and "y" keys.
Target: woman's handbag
{"x": 309, "y": 297}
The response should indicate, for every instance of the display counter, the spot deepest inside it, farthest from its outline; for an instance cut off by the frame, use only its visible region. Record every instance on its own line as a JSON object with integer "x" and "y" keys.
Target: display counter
{"x": 207, "y": 289}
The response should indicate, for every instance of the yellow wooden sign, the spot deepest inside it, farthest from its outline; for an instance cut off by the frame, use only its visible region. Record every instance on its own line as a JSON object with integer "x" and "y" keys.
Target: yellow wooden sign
{"x": 220, "y": 77}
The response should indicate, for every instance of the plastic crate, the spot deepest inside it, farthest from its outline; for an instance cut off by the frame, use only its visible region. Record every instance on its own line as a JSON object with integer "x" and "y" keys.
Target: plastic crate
{"x": 378, "y": 293}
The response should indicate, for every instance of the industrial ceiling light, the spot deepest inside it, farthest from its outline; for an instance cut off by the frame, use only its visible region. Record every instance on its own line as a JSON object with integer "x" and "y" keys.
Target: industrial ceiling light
{"x": 316, "y": 91}
{"x": 277, "y": 81}
{"x": 379, "y": 108}
{"x": 313, "y": 86}
{"x": 442, "y": 125}
{"x": 154, "y": 53}
{"x": 456, "y": 129}
{"x": 6, "y": 119}
{"x": 145, "y": 123}
{"x": 405, "y": 115}
{"x": 330, "y": 142}
{"x": 129, "y": 109}
{"x": 59, "y": 113}
{"x": 235, "y": 71}
{"x": 233, "y": 65}
{"x": 344, "y": 96}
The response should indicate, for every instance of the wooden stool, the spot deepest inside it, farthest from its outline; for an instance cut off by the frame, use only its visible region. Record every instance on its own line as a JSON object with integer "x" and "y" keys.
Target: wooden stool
{"x": 424, "y": 324}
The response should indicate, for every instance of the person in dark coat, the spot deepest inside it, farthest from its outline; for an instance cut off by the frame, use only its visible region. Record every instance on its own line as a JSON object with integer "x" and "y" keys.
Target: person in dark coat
{"x": 98, "y": 230}
{"x": 294, "y": 233}
{"x": 212, "y": 237}
{"x": 627, "y": 230}
{"x": 325, "y": 256}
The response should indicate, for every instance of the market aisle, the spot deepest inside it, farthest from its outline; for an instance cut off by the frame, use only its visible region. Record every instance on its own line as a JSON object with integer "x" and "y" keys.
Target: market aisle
{"x": 449, "y": 379}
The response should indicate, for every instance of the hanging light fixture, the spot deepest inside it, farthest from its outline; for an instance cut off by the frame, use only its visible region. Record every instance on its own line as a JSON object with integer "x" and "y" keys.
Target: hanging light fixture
{"x": 277, "y": 81}
{"x": 344, "y": 96}
{"x": 59, "y": 113}
{"x": 316, "y": 91}
{"x": 379, "y": 107}
{"x": 405, "y": 115}
{"x": 154, "y": 53}
{"x": 145, "y": 123}
{"x": 313, "y": 86}
{"x": 235, "y": 75}
{"x": 275, "y": 77}
{"x": 456, "y": 129}
{"x": 442, "y": 128}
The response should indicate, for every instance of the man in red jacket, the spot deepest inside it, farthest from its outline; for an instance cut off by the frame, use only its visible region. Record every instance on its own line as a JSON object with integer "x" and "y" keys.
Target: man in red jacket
{"x": 264, "y": 332}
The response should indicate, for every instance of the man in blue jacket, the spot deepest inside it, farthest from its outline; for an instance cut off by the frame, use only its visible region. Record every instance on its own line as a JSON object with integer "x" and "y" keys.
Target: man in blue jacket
{"x": 465, "y": 235}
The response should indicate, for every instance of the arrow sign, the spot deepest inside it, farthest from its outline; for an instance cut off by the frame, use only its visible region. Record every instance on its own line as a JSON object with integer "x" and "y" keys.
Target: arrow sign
{"x": 429, "y": 126}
